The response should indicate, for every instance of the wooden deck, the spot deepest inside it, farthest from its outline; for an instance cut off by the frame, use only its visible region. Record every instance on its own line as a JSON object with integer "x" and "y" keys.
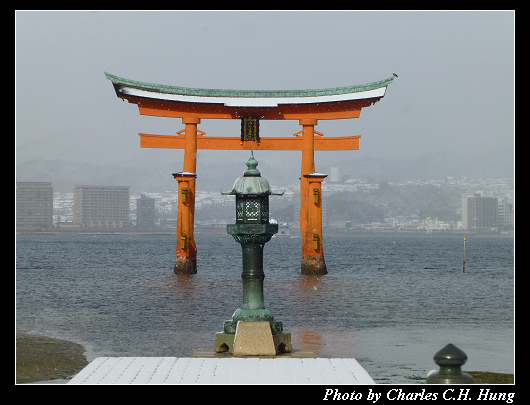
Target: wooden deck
{"x": 178, "y": 370}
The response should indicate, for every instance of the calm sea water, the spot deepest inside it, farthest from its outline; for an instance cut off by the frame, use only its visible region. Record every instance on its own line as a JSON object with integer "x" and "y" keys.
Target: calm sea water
{"x": 390, "y": 301}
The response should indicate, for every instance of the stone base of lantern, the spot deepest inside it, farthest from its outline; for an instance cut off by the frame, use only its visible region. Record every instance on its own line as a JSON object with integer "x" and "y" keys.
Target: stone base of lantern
{"x": 253, "y": 339}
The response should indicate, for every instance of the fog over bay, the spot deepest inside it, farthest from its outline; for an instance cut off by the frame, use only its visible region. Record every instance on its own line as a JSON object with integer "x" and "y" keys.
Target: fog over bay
{"x": 450, "y": 111}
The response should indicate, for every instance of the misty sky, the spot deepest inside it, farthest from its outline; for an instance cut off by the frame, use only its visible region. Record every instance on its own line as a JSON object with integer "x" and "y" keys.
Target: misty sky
{"x": 455, "y": 90}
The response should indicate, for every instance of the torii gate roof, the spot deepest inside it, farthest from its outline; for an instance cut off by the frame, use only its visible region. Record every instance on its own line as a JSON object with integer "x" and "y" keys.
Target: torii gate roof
{"x": 154, "y": 99}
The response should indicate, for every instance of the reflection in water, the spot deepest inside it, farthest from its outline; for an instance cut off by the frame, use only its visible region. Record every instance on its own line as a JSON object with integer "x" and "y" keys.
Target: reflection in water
{"x": 182, "y": 283}
{"x": 306, "y": 285}
{"x": 310, "y": 340}
{"x": 304, "y": 288}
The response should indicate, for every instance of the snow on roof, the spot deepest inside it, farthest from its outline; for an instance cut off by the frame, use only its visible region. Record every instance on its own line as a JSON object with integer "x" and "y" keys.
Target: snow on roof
{"x": 247, "y": 98}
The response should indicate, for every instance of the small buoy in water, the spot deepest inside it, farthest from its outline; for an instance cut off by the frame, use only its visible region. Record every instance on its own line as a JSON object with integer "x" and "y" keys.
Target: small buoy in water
{"x": 464, "y": 263}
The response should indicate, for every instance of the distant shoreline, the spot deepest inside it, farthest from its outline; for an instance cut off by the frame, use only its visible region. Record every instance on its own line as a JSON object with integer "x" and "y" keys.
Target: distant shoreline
{"x": 222, "y": 231}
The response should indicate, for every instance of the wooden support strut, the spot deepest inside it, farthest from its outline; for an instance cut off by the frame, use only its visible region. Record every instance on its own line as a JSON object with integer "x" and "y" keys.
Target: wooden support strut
{"x": 234, "y": 143}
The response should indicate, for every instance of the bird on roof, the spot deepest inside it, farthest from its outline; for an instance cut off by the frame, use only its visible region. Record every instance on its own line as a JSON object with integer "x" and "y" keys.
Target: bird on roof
{"x": 395, "y": 74}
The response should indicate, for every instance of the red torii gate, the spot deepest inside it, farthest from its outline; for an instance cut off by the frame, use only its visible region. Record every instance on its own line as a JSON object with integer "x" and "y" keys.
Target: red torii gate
{"x": 250, "y": 106}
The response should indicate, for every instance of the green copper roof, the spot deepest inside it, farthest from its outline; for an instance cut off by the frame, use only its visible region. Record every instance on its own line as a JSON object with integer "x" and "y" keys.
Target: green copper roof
{"x": 189, "y": 91}
{"x": 251, "y": 182}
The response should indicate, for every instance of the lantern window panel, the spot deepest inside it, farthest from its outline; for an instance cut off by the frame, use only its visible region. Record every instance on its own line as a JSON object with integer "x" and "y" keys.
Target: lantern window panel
{"x": 252, "y": 210}
{"x": 265, "y": 209}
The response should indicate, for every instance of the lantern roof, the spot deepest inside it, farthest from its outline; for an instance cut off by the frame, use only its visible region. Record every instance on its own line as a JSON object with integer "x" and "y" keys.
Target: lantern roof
{"x": 251, "y": 183}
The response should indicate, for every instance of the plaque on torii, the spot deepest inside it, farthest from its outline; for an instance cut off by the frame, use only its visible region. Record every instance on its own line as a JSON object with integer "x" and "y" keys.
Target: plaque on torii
{"x": 250, "y": 106}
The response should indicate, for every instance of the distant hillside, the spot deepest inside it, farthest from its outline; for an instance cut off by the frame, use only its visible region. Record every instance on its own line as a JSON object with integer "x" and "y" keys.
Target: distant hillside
{"x": 498, "y": 164}
{"x": 156, "y": 176}
{"x": 151, "y": 177}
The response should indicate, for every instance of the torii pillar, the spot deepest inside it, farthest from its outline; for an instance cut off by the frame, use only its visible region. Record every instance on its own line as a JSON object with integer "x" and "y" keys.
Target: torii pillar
{"x": 312, "y": 261}
{"x": 186, "y": 252}
{"x": 186, "y": 256}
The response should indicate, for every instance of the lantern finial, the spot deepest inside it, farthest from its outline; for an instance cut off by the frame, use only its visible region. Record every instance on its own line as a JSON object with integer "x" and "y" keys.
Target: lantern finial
{"x": 251, "y": 167}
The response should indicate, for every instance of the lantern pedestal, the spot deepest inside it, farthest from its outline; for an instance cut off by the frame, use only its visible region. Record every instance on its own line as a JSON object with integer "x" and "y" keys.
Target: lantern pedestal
{"x": 253, "y": 339}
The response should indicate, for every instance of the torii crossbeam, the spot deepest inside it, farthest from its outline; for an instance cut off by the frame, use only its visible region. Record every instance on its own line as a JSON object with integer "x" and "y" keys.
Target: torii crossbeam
{"x": 250, "y": 106}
